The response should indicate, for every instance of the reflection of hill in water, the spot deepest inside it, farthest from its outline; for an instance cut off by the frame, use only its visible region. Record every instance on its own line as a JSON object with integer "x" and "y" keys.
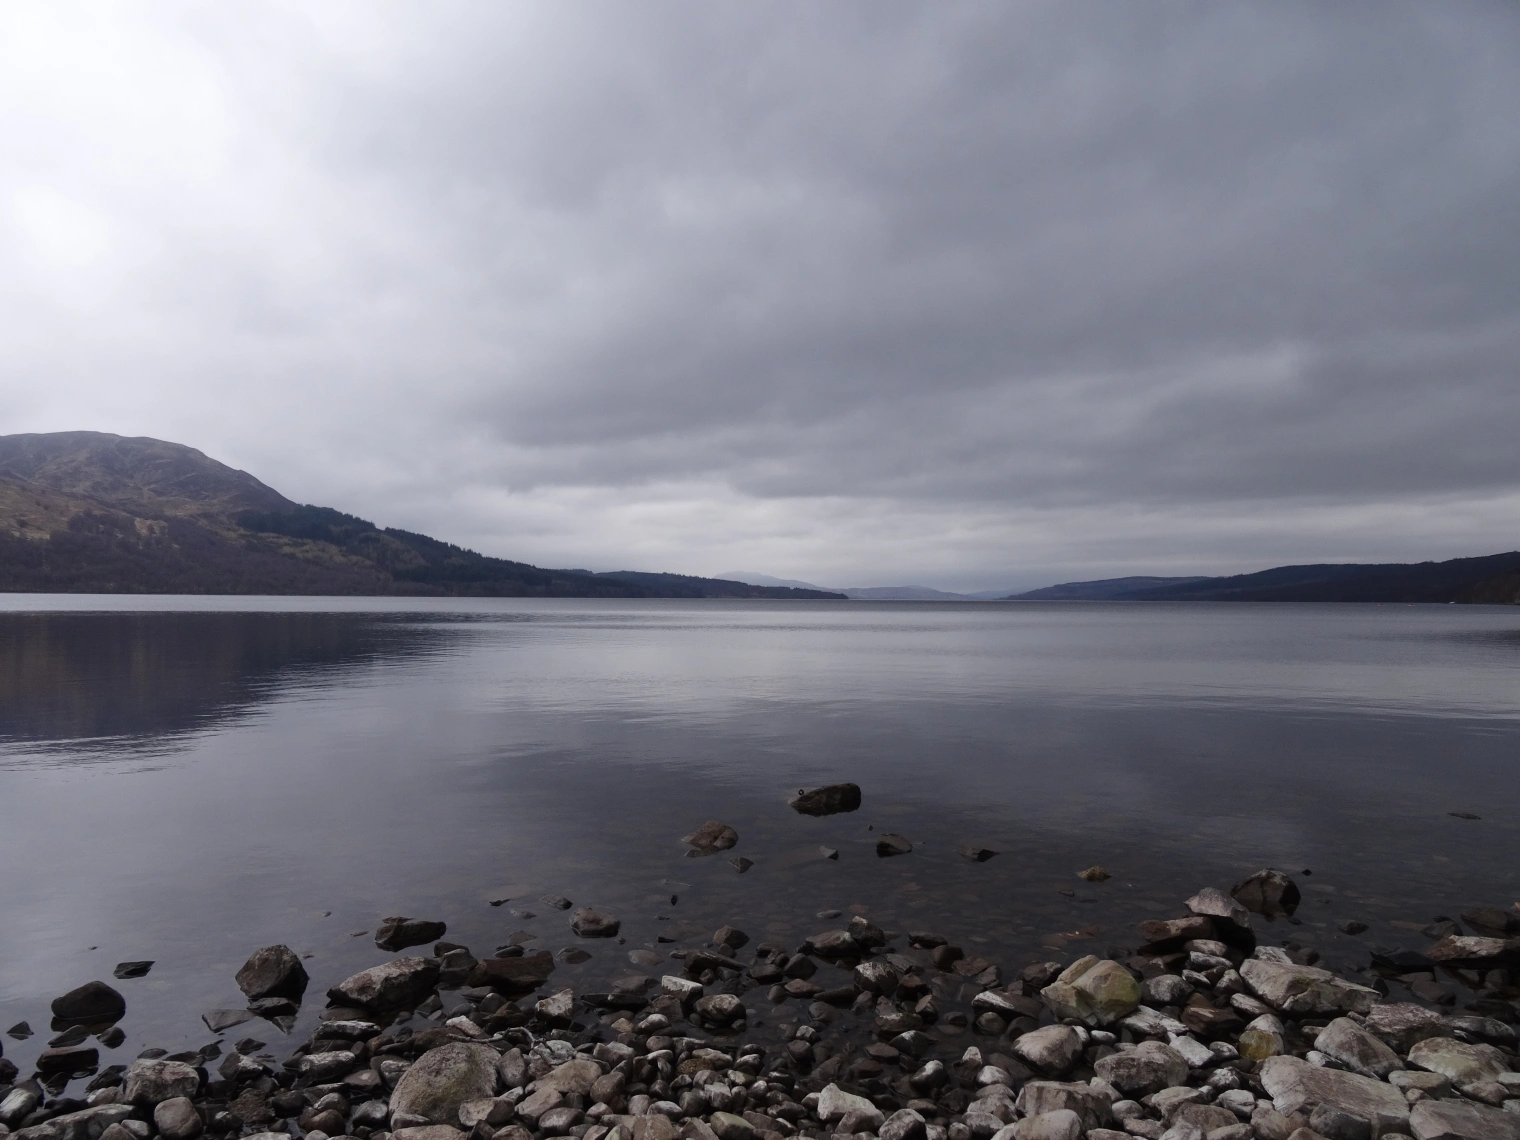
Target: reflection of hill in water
{"x": 87, "y": 676}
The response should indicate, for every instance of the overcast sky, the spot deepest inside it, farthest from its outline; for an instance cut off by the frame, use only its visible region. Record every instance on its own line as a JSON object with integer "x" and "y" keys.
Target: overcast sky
{"x": 963, "y": 294}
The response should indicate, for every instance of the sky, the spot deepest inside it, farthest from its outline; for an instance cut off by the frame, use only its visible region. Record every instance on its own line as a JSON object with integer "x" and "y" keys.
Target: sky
{"x": 862, "y": 293}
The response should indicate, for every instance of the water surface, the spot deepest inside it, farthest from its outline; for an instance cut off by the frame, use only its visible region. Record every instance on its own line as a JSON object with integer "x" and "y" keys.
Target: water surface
{"x": 186, "y": 779}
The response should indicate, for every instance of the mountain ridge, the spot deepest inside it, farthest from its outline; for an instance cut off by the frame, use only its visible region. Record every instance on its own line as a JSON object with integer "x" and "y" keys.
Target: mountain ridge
{"x": 1486, "y": 579}
{"x": 92, "y": 512}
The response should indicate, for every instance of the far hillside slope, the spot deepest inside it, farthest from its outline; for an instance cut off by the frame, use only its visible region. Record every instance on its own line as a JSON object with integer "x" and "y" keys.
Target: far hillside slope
{"x": 90, "y": 512}
{"x": 1490, "y": 578}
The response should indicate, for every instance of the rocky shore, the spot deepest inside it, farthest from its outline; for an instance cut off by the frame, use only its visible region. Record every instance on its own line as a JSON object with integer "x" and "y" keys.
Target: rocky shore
{"x": 1201, "y": 1032}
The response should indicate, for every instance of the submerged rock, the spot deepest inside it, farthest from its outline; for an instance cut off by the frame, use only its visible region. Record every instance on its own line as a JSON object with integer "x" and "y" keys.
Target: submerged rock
{"x": 589, "y": 923}
{"x": 711, "y": 838}
{"x": 828, "y": 800}
{"x": 891, "y": 843}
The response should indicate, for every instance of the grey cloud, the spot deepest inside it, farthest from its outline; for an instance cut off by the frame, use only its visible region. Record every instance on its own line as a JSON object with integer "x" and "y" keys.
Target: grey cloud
{"x": 974, "y": 261}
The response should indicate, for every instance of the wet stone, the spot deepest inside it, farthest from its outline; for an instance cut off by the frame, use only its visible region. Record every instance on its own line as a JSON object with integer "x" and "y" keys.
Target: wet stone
{"x": 828, "y": 800}
{"x": 589, "y": 923}
{"x": 711, "y": 838}
{"x": 398, "y": 932}
{"x": 274, "y": 971}
{"x": 93, "y": 1001}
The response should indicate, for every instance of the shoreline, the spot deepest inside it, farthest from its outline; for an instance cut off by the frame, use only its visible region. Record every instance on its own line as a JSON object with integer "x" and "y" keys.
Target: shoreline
{"x": 1205, "y": 1031}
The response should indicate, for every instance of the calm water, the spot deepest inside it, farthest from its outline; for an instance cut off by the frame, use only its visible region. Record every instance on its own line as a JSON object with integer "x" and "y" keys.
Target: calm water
{"x": 188, "y": 779}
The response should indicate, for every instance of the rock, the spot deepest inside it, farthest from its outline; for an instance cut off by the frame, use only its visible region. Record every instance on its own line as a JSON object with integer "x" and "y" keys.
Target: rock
{"x": 1456, "y": 1060}
{"x": 401, "y": 981}
{"x": 150, "y": 1082}
{"x": 397, "y": 933}
{"x": 1457, "y": 950}
{"x": 1159, "y": 931}
{"x": 330, "y": 1065}
{"x": 890, "y": 843}
{"x": 413, "y": 1132}
{"x": 1062, "y": 1124}
{"x": 1402, "y": 1024}
{"x": 1296, "y": 1085}
{"x": 132, "y": 969}
{"x": 1268, "y": 893}
{"x": 557, "y": 1008}
{"x": 711, "y": 838}
{"x": 91, "y": 1002}
{"x": 976, "y": 855}
{"x": 835, "y": 1104}
{"x": 1092, "y": 1107}
{"x": 1147, "y": 1068}
{"x": 653, "y": 1126}
{"x": 1462, "y": 1120}
{"x": 1305, "y": 989}
{"x": 68, "y": 1059}
{"x": 514, "y": 975}
{"x": 1345, "y": 1041}
{"x": 828, "y": 800}
{"x": 719, "y": 1009}
{"x": 17, "y": 1104}
{"x": 1098, "y": 992}
{"x": 559, "y": 1121}
{"x": 443, "y": 1079}
{"x": 573, "y": 1078}
{"x": 1232, "y": 922}
{"x": 1492, "y": 919}
{"x": 682, "y": 989}
{"x": 1095, "y": 874}
{"x": 177, "y": 1119}
{"x": 876, "y": 976}
{"x": 538, "y": 1102}
{"x": 727, "y": 1126}
{"x": 1351, "y": 926}
{"x": 1053, "y": 1049}
{"x": 1262, "y": 1038}
{"x": 590, "y": 923}
{"x": 274, "y": 971}
{"x": 904, "y": 1124}
{"x": 741, "y": 864}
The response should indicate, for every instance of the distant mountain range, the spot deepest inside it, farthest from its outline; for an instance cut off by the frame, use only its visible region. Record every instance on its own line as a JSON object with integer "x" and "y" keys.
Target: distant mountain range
{"x": 88, "y": 512}
{"x": 1494, "y": 578}
{"x": 872, "y": 593}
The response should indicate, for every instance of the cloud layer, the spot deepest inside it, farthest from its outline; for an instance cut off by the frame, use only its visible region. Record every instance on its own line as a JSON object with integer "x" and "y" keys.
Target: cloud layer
{"x": 864, "y": 292}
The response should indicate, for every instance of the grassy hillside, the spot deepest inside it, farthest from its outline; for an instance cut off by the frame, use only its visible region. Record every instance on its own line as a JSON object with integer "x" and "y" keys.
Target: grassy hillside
{"x": 87, "y": 512}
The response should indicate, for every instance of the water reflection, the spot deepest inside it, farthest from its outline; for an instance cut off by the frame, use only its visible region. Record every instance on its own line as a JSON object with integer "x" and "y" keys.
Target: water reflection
{"x": 110, "y": 681}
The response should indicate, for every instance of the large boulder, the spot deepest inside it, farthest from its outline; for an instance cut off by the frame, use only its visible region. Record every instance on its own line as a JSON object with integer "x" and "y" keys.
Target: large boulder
{"x": 1462, "y": 1120}
{"x": 1097, "y": 992}
{"x": 1462, "y": 950}
{"x": 1345, "y": 1041}
{"x": 274, "y": 971}
{"x": 152, "y": 1082}
{"x": 1268, "y": 893}
{"x": 1297, "y": 1086}
{"x": 1458, "y": 1061}
{"x": 176, "y": 1119}
{"x": 443, "y": 1079}
{"x": 1160, "y": 931}
{"x": 91, "y": 1002}
{"x": 828, "y": 800}
{"x": 835, "y": 1104}
{"x": 1147, "y": 1068}
{"x": 399, "y": 982}
{"x": 1305, "y": 989}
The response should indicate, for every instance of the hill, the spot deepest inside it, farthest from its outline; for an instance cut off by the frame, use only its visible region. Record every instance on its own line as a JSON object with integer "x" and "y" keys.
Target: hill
{"x": 1494, "y": 578}
{"x": 89, "y": 512}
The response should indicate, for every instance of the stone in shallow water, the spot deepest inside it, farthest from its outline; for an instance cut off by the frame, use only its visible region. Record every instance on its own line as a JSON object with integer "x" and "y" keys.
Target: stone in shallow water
{"x": 397, "y": 932}
{"x": 150, "y": 1082}
{"x": 93, "y": 1001}
{"x": 828, "y": 800}
{"x": 401, "y": 981}
{"x": 1097, "y": 873}
{"x": 711, "y": 838}
{"x": 273, "y": 971}
{"x": 220, "y": 1020}
{"x": 177, "y": 1119}
{"x": 132, "y": 969}
{"x": 1305, "y": 989}
{"x": 891, "y": 843}
{"x": 977, "y": 854}
{"x": 589, "y": 923}
{"x": 1268, "y": 893}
